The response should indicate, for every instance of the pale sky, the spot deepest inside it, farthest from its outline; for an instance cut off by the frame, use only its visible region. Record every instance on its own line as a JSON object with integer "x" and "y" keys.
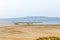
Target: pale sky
{"x": 23, "y": 8}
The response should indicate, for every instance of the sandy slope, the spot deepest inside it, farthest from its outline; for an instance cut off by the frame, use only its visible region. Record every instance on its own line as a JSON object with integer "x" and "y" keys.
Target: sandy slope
{"x": 28, "y": 32}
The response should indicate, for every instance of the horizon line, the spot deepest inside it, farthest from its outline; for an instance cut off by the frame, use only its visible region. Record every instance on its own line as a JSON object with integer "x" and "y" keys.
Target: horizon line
{"x": 28, "y": 16}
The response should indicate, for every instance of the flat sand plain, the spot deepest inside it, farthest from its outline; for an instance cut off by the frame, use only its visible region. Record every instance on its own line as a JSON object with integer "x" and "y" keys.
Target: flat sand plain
{"x": 28, "y": 32}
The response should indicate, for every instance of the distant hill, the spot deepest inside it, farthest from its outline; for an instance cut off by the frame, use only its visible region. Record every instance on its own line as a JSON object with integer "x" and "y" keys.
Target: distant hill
{"x": 33, "y": 19}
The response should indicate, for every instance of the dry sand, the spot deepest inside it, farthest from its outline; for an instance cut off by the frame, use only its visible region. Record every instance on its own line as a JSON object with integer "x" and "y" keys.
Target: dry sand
{"x": 28, "y": 32}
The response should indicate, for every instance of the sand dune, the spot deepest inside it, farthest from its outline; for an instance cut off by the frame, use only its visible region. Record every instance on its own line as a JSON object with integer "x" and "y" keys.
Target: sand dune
{"x": 28, "y": 32}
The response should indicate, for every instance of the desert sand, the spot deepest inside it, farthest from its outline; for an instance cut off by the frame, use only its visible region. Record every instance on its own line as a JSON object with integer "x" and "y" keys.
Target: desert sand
{"x": 28, "y": 32}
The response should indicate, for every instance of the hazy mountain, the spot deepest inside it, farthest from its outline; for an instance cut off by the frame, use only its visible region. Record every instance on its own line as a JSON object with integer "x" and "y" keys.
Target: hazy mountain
{"x": 33, "y": 19}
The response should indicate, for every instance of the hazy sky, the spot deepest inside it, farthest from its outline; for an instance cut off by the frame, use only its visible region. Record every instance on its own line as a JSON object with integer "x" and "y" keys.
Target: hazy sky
{"x": 21, "y": 8}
